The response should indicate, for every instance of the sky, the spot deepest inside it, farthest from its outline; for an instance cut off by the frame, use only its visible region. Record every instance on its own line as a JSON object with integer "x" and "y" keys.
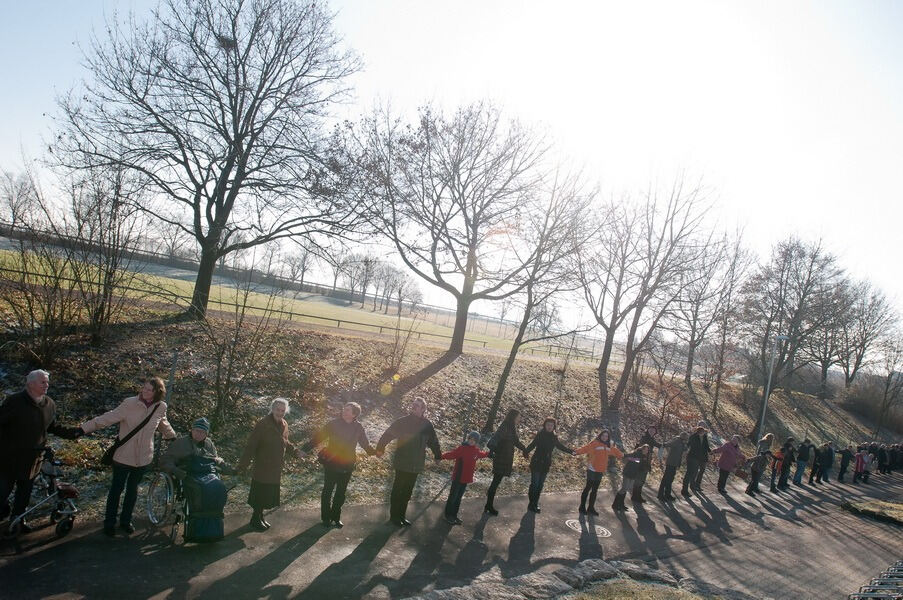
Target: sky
{"x": 789, "y": 112}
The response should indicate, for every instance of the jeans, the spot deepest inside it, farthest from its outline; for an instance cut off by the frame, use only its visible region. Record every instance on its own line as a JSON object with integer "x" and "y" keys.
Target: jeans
{"x": 815, "y": 473}
{"x": 626, "y": 485}
{"x": 20, "y": 500}
{"x": 402, "y": 488}
{"x": 693, "y": 470}
{"x": 331, "y": 504}
{"x": 800, "y": 469}
{"x": 664, "y": 487}
{"x": 593, "y": 479}
{"x": 128, "y": 478}
{"x": 842, "y": 472}
{"x": 824, "y": 474}
{"x": 453, "y": 504}
{"x": 537, "y": 480}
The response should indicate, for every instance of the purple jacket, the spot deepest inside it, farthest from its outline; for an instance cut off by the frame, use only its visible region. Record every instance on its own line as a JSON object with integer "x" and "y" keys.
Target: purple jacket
{"x": 730, "y": 456}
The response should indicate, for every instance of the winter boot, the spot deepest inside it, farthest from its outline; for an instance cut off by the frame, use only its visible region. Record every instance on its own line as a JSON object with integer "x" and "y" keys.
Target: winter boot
{"x": 637, "y": 495}
{"x": 618, "y": 504}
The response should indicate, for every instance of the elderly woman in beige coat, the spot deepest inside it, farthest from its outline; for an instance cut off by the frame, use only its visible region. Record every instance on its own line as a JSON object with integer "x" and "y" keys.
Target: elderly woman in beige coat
{"x": 132, "y": 458}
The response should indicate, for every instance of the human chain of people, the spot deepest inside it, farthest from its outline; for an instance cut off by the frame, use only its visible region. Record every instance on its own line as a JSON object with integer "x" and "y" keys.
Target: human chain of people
{"x": 29, "y": 416}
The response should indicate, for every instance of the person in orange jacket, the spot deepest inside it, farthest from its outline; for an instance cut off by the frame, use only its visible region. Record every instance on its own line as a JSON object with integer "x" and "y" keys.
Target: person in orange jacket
{"x": 597, "y": 453}
{"x": 465, "y": 457}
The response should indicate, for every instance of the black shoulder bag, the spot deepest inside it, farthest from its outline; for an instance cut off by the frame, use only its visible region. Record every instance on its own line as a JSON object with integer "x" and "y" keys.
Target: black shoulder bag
{"x": 107, "y": 458}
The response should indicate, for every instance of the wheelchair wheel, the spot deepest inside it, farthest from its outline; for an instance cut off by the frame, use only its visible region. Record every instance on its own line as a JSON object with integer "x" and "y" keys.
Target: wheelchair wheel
{"x": 64, "y": 526}
{"x": 160, "y": 498}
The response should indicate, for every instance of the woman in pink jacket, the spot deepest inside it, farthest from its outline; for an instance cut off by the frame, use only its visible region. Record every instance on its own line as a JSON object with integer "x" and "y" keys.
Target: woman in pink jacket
{"x": 730, "y": 458}
{"x": 132, "y": 458}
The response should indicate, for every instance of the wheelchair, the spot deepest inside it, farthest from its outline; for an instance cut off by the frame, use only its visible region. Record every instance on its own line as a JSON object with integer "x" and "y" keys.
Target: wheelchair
{"x": 166, "y": 504}
{"x": 48, "y": 492}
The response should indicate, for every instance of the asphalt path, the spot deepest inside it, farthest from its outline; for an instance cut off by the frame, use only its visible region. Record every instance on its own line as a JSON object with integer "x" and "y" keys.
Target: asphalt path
{"x": 795, "y": 544}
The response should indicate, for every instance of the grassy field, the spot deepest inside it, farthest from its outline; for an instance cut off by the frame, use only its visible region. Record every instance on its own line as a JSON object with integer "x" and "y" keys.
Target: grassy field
{"x": 304, "y": 308}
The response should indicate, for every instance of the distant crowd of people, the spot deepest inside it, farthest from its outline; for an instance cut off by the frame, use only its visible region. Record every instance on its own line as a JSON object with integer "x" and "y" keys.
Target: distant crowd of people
{"x": 26, "y": 418}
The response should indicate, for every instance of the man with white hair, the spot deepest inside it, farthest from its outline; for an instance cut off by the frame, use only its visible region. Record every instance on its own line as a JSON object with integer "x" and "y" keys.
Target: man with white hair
{"x": 26, "y": 418}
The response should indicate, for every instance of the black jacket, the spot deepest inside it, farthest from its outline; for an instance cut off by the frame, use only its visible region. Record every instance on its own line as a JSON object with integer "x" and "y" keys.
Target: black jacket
{"x": 414, "y": 435}
{"x": 698, "y": 447}
{"x": 648, "y": 439}
{"x": 803, "y": 452}
{"x": 341, "y": 439}
{"x": 846, "y": 455}
{"x": 634, "y": 468}
{"x": 24, "y": 425}
{"x": 544, "y": 442}
{"x": 502, "y": 445}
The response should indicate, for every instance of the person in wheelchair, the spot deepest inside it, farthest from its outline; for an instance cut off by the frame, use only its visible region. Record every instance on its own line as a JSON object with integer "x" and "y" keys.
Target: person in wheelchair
{"x": 193, "y": 460}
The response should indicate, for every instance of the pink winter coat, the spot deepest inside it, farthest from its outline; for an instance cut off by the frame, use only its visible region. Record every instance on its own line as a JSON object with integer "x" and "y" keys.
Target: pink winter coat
{"x": 730, "y": 456}
{"x": 138, "y": 451}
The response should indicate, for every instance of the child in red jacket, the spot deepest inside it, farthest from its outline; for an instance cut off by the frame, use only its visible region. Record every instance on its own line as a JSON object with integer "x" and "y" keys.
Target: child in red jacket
{"x": 465, "y": 456}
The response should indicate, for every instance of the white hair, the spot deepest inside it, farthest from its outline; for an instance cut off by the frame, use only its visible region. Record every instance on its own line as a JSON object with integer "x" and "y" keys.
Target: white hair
{"x": 281, "y": 401}
{"x": 35, "y": 374}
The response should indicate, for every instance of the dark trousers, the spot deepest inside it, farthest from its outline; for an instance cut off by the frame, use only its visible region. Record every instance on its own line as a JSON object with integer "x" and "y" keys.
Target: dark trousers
{"x": 127, "y": 478}
{"x": 453, "y": 504}
{"x": 537, "y": 480}
{"x": 402, "y": 488}
{"x": 722, "y": 479}
{"x": 815, "y": 473}
{"x": 694, "y": 473}
{"x": 753, "y": 487}
{"x": 701, "y": 472}
{"x": 591, "y": 489}
{"x": 842, "y": 472}
{"x": 490, "y": 493}
{"x": 785, "y": 475}
{"x": 664, "y": 487}
{"x": 333, "y": 496}
{"x": 20, "y": 500}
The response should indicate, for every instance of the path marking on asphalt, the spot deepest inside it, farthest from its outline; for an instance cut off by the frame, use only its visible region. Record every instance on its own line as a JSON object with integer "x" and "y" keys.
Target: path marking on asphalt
{"x": 578, "y": 527}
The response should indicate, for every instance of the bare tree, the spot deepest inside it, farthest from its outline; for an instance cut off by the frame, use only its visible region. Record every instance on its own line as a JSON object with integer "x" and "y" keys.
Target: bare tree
{"x": 784, "y": 297}
{"x": 737, "y": 266}
{"x": 632, "y": 273}
{"x": 698, "y": 302}
{"x": 241, "y": 339}
{"x": 407, "y": 289}
{"x": 219, "y": 105}
{"x": 822, "y": 347}
{"x": 870, "y": 319}
{"x": 664, "y": 356}
{"x": 37, "y": 289}
{"x": 337, "y": 261}
{"x": 104, "y": 228}
{"x": 298, "y": 262}
{"x": 555, "y": 230}
{"x": 449, "y": 191}
{"x": 892, "y": 388}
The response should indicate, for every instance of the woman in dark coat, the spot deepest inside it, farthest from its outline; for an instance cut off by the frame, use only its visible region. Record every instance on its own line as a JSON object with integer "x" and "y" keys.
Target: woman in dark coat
{"x": 634, "y": 466}
{"x": 545, "y": 443}
{"x": 648, "y": 439}
{"x": 501, "y": 449}
{"x": 266, "y": 448}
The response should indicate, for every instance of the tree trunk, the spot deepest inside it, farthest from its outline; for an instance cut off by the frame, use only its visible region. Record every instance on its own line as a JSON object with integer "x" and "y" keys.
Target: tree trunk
{"x": 624, "y": 379}
{"x": 457, "y": 342}
{"x": 506, "y": 371}
{"x": 603, "y": 373}
{"x": 719, "y": 373}
{"x": 823, "y": 387}
{"x": 201, "y": 295}
{"x": 691, "y": 358}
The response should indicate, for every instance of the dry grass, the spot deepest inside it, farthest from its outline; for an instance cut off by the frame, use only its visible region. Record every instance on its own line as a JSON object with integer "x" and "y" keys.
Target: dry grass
{"x": 628, "y": 589}
{"x": 891, "y": 512}
{"x": 319, "y": 371}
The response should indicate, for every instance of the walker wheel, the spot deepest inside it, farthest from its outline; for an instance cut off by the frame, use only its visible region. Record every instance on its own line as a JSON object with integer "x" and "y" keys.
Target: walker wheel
{"x": 11, "y": 531}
